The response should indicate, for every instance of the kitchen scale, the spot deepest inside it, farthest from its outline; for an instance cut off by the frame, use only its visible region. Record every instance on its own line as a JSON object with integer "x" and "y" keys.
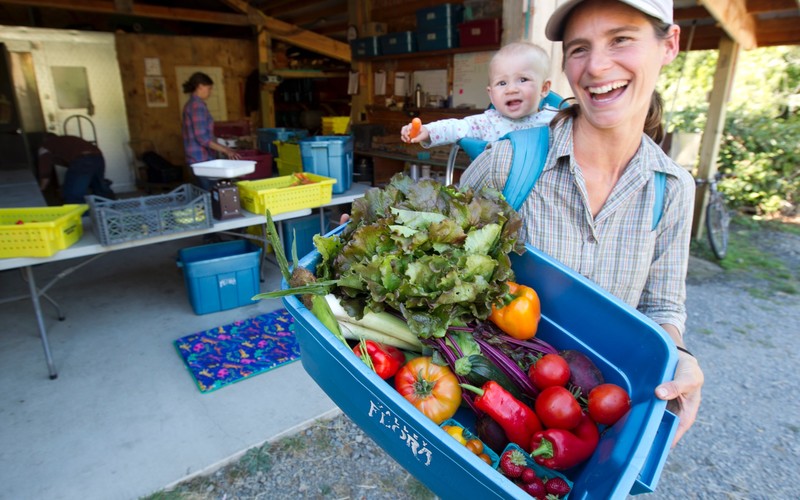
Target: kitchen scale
{"x": 225, "y": 202}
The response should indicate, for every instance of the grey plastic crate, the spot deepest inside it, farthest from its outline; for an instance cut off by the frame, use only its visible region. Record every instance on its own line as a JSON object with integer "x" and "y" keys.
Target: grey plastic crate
{"x": 115, "y": 221}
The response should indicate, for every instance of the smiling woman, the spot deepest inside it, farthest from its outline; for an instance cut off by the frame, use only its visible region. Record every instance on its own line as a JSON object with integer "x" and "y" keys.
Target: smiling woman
{"x": 592, "y": 205}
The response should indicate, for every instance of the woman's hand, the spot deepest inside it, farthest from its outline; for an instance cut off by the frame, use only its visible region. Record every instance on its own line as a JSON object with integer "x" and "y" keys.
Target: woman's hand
{"x": 231, "y": 154}
{"x": 683, "y": 392}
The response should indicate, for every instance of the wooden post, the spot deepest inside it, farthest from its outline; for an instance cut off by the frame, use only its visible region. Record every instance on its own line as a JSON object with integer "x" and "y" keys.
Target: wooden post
{"x": 513, "y": 21}
{"x": 358, "y": 11}
{"x": 265, "y": 66}
{"x": 709, "y": 145}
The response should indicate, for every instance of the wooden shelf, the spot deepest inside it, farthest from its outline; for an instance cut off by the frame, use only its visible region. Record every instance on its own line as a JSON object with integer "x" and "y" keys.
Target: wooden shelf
{"x": 430, "y": 53}
{"x": 391, "y": 155}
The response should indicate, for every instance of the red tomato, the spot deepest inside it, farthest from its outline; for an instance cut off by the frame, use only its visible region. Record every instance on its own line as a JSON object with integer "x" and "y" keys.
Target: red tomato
{"x": 608, "y": 403}
{"x": 550, "y": 370}
{"x": 431, "y": 388}
{"x": 557, "y": 408}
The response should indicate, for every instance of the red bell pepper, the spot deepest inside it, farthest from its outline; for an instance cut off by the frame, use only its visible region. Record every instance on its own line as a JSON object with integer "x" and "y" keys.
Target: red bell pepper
{"x": 386, "y": 359}
{"x": 561, "y": 449}
{"x": 517, "y": 419}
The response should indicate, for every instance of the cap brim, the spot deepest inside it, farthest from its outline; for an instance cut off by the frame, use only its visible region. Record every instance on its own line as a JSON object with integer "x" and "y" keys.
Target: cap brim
{"x": 554, "y": 30}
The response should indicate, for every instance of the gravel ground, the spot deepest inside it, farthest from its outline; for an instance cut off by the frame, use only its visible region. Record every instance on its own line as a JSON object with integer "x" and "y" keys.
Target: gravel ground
{"x": 745, "y": 443}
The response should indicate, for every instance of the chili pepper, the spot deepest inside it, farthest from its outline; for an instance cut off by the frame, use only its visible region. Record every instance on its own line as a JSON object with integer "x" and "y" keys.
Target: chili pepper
{"x": 520, "y": 315}
{"x": 517, "y": 420}
{"x": 386, "y": 359}
{"x": 561, "y": 449}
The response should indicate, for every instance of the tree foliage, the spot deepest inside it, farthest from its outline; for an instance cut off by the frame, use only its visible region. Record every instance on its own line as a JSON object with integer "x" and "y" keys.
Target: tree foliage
{"x": 760, "y": 140}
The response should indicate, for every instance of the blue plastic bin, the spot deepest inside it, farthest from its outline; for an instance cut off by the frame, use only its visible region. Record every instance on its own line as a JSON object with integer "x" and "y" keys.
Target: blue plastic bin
{"x": 331, "y": 156}
{"x": 266, "y": 137}
{"x": 302, "y": 230}
{"x": 221, "y": 276}
{"x": 630, "y": 349}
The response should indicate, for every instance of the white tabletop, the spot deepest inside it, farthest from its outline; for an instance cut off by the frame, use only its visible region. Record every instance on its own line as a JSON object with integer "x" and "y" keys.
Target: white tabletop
{"x": 90, "y": 245}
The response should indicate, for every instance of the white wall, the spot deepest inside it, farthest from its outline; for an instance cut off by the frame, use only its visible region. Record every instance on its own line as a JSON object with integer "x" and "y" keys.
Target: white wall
{"x": 97, "y": 53}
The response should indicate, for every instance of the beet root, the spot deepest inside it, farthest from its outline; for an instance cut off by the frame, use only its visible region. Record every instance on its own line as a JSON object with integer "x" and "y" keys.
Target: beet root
{"x": 583, "y": 373}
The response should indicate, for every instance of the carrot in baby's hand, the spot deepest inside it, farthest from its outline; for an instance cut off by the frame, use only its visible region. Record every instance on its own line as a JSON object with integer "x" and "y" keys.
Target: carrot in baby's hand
{"x": 416, "y": 124}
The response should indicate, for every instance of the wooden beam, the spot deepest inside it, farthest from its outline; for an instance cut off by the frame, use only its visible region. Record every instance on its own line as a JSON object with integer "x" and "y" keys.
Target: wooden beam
{"x": 140, "y": 10}
{"x": 764, "y": 6}
{"x": 712, "y": 134}
{"x": 293, "y": 34}
{"x": 735, "y": 20}
{"x": 778, "y": 31}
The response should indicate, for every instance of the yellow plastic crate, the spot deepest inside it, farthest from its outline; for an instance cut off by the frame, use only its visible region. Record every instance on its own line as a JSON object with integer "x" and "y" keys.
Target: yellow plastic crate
{"x": 286, "y": 167}
{"x": 43, "y": 231}
{"x": 280, "y": 196}
{"x": 289, "y": 152}
{"x": 335, "y": 124}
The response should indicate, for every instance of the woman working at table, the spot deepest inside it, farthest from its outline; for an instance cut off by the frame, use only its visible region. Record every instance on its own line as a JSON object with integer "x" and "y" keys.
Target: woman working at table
{"x": 199, "y": 143}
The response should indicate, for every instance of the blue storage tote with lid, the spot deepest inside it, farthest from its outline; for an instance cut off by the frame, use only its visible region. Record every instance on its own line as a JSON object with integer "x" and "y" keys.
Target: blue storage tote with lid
{"x": 438, "y": 39}
{"x": 630, "y": 350}
{"x": 365, "y": 47}
{"x": 440, "y": 16}
{"x": 331, "y": 156}
{"x": 403, "y": 42}
{"x": 221, "y": 276}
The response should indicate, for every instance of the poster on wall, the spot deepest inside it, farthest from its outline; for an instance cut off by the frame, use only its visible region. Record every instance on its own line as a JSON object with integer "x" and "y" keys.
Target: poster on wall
{"x": 155, "y": 90}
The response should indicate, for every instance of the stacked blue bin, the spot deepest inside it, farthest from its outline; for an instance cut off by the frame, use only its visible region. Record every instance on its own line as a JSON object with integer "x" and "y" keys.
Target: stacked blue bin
{"x": 267, "y": 136}
{"x": 331, "y": 156}
{"x": 437, "y": 27}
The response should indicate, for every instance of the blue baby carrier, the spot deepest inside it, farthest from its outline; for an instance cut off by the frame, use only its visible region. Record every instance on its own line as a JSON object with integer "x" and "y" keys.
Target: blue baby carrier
{"x": 530, "y": 147}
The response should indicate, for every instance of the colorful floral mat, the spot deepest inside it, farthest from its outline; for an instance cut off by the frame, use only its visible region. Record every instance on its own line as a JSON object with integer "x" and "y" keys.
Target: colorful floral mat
{"x": 227, "y": 354}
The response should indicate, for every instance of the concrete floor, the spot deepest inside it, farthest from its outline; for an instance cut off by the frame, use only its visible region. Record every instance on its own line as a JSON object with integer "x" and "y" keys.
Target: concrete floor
{"x": 124, "y": 417}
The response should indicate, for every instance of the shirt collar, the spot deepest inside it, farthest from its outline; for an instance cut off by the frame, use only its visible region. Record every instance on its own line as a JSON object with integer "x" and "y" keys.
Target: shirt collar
{"x": 646, "y": 159}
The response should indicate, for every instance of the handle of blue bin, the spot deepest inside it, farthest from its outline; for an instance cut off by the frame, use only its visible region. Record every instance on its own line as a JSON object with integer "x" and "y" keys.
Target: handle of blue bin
{"x": 654, "y": 464}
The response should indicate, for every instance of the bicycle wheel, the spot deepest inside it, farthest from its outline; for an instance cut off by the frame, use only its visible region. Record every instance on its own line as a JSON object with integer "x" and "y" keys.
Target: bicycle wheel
{"x": 717, "y": 221}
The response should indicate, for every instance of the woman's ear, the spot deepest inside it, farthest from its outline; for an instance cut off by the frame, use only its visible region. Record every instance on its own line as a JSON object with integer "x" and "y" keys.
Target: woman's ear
{"x": 672, "y": 44}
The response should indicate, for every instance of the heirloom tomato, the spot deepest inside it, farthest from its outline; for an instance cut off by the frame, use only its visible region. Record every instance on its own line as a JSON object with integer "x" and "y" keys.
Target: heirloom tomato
{"x": 431, "y": 388}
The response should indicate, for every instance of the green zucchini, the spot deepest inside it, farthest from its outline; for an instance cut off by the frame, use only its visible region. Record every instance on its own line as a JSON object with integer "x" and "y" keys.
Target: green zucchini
{"x": 482, "y": 370}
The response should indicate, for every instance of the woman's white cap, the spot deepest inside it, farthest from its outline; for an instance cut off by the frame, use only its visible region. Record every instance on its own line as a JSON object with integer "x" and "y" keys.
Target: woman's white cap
{"x": 660, "y": 9}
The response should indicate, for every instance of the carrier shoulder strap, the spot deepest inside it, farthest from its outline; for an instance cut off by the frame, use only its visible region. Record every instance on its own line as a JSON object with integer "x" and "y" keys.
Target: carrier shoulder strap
{"x": 529, "y": 153}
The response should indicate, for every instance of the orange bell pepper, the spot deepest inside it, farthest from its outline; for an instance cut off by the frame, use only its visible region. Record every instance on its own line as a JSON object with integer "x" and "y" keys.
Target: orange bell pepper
{"x": 520, "y": 315}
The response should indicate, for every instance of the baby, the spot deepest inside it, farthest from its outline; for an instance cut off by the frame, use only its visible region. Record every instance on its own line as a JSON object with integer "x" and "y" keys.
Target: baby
{"x": 518, "y": 80}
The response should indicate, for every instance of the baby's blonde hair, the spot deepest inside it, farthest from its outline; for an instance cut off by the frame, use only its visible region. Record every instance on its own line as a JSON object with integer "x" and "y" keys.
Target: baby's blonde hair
{"x": 538, "y": 57}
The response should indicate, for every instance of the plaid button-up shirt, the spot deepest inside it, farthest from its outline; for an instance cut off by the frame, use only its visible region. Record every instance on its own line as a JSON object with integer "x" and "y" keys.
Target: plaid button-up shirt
{"x": 617, "y": 249}
{"x": 197, "y": 128}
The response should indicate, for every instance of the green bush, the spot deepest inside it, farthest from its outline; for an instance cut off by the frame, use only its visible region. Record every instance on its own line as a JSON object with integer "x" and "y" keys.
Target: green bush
{"x": 759, "y": 147}
{"x": 761, "y": 153}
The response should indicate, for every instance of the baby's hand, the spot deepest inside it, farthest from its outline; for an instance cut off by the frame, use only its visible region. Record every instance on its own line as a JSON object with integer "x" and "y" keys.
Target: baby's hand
{"x": 414, "y": 132}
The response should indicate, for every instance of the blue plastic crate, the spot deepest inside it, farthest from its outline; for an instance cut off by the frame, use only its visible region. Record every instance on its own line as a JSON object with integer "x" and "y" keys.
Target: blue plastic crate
{"x": 267, "y": 136}
{"x": 403, "y": 42}
{"x": 365, "y": 47}
{"x": 301, "y": 230}
{"x": 331, "y": 156}
{"x": 440, "y": 16}
{"x": 630, "y": 349}
{"x": 438, "y": 39}
{"x": 221, "y": 276}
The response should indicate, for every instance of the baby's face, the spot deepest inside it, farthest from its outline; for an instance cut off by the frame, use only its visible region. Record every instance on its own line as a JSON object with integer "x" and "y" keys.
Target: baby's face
{"x": 514, "y": 86}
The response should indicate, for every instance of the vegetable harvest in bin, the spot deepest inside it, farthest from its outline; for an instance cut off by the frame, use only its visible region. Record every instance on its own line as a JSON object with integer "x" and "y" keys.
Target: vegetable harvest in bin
{"x": 422, "y": 272}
